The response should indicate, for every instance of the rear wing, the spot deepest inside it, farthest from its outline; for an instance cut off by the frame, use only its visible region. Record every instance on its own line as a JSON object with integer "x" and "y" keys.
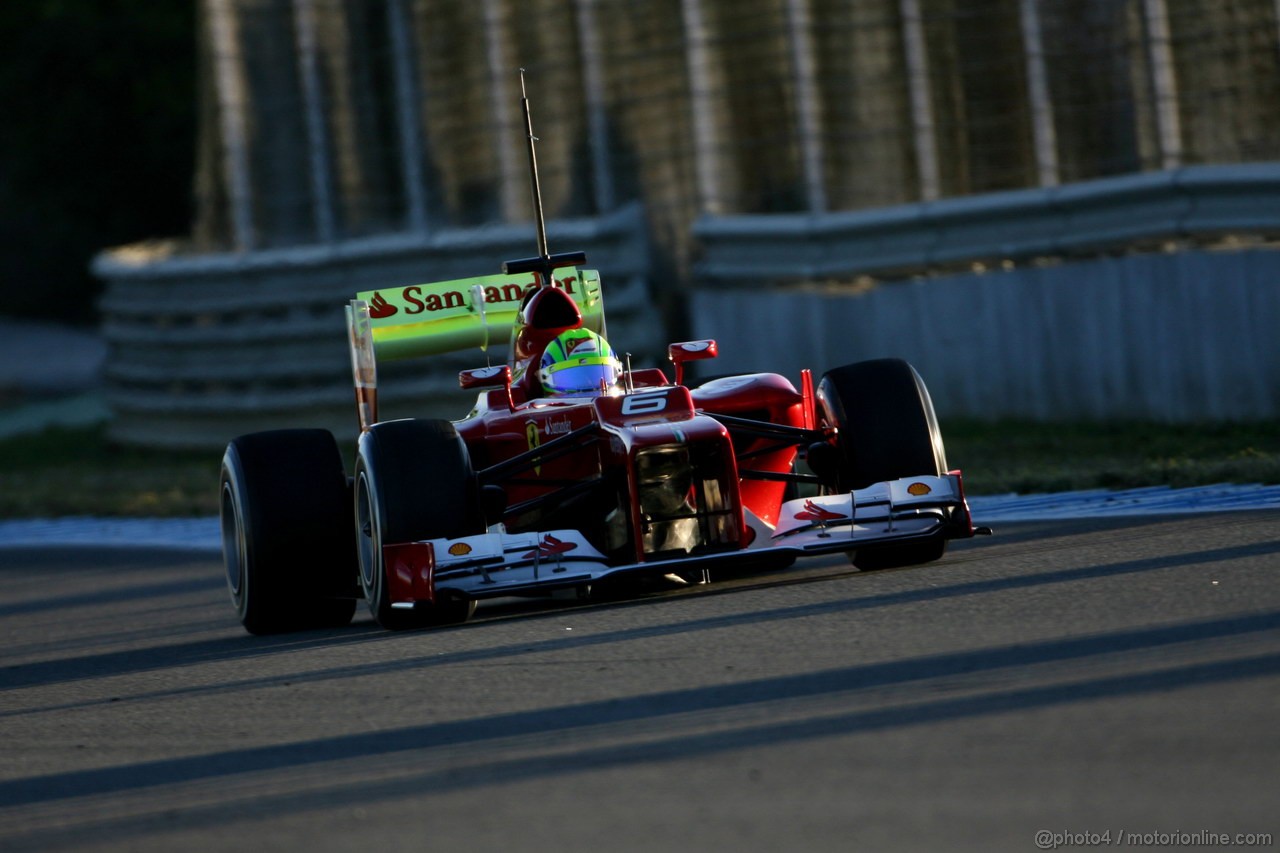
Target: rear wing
{"x": 430, "y": 319}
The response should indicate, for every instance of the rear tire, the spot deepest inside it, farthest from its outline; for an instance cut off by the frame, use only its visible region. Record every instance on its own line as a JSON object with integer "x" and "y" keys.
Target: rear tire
{"x": 887, "y": 430}
{"x": 413, "y": 481}
{"x": 286, "y": 542}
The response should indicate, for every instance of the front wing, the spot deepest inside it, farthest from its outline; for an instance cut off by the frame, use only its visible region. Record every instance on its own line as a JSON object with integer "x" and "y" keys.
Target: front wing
{"x": 496, "y": 564}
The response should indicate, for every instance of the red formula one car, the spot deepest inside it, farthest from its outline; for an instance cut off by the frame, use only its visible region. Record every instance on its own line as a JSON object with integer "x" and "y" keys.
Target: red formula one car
{"x": 573, "y": 472}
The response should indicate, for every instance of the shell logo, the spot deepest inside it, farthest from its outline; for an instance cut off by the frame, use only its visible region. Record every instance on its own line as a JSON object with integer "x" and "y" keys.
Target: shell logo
{"x": 918, "y": 489}
{"x": 459, "y": 549}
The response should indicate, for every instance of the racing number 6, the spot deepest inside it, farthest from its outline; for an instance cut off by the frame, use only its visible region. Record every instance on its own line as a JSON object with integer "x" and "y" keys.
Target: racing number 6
{"x": 644, "y": 404}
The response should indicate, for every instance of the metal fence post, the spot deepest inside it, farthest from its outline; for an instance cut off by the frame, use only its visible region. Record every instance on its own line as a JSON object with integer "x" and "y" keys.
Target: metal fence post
{"x": 501, "y": 72}
{"x": 229, "y": 84}
{"x": 313, "y": 104}
{"x": 407, "y": 115}
{"x": 597, "y": 120}
{"x": 1042, "y": 117}
{"x": 706, "y": 142}
{"x": 1163, "y": 82}
{"x": 926, "y": 146}
{"x": 800, "y": 32}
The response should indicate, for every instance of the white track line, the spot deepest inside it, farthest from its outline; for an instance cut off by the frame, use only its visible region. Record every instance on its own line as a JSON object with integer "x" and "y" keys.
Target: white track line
{"x": 203, "y": 534}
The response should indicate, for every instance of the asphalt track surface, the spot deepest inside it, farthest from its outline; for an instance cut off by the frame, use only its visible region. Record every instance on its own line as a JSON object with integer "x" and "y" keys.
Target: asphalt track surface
{"x": 1071, "y": 677}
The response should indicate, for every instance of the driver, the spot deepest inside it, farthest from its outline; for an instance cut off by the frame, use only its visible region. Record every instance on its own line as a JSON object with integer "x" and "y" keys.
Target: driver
{"x": 578, "y": 361}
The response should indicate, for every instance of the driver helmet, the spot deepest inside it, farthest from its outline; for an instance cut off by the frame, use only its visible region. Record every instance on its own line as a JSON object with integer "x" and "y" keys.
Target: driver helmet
{"x": 578, "y": 361}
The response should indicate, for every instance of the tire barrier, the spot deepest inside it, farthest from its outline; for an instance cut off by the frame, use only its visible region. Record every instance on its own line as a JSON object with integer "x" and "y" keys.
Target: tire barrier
{"x": 205, "y": 347}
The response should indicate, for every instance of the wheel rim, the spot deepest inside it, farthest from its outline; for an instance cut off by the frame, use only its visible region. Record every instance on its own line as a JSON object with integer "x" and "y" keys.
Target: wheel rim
{"x": 366, "y": 536}
{"x": 232, "y": 541}
{"x": 931, "y": 420}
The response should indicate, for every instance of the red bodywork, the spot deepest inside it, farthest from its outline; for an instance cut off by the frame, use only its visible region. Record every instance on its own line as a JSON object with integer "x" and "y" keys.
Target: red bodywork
{"x": 642, "y": 469}
{"x": 647, "y": 476}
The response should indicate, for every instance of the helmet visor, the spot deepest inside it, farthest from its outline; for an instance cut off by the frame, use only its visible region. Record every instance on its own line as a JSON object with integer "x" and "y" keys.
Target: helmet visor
{"x": 580, "y": 378}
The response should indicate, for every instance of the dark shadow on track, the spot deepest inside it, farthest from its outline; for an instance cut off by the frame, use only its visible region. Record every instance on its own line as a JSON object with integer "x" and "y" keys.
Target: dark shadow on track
{"x": 241, "y": 647}
{"x": 106, "y": 665}
{"x": 566, "y": 720}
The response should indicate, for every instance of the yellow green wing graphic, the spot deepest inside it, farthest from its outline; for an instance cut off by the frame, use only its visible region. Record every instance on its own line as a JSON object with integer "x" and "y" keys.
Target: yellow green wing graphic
{"x": 447, "y": 316}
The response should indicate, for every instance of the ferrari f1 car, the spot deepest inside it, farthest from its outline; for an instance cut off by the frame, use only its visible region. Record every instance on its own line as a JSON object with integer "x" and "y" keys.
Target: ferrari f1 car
{"x": 573, "y": 473}
{"x": 628, "y": 473}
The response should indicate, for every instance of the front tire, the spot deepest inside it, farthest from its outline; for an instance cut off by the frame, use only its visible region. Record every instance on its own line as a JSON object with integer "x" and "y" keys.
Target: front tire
{"x": 413, "y": 481}
{"x": 286, "y": 544}
{"x": 886, "y": 430}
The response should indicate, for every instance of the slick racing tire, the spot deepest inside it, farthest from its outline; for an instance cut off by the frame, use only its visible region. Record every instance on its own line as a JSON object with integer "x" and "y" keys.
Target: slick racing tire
{"x": 887, "y": 430}
{"x": 286, "y": 540}
{"x": 413, "y": 481}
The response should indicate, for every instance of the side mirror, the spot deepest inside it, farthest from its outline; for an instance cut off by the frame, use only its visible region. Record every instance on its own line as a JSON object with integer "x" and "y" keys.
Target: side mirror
{"x": 488, "y": 377}
{"x": 690, "y": 351}
{"x": 485, "y": 377}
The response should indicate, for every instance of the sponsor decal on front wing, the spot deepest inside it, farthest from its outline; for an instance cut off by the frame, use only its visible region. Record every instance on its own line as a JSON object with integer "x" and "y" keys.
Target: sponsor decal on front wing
{"x": 876, "y": 502}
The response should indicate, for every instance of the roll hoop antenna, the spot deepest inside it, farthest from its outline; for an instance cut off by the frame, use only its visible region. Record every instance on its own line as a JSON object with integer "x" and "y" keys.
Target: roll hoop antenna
{"x": 545, "y": 263}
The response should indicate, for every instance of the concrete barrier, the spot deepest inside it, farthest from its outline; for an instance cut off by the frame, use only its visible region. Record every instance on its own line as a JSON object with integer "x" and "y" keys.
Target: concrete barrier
{"x": 1078, "y": 309}
{"x": 1084, "y": 219}
{"x": 1189, "y": 336}
{"x": 1144, "y": 296}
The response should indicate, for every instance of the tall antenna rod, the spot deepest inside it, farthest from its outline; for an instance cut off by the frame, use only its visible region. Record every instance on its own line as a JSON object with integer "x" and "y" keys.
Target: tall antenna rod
{"x": 536, "y": 187}
{"x": 545, "y": 263}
